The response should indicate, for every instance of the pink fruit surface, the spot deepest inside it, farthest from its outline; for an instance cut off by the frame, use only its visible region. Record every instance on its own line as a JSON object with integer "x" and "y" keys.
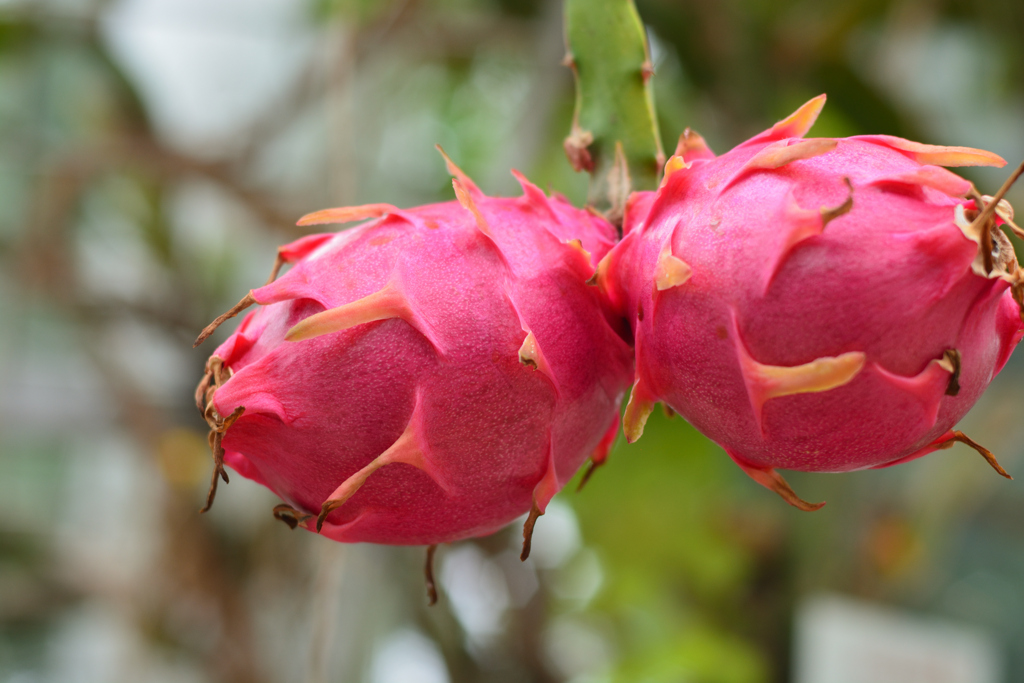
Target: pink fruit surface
{"x": 815, "y": 304}
{"x": 428, "y": 376}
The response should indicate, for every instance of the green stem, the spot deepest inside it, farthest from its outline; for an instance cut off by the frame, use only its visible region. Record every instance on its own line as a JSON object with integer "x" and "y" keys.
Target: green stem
{"x": 614, "y": 131}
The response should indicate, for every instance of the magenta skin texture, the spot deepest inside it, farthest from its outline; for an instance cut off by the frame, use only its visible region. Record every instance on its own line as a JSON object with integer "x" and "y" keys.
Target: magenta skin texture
{"x": 765, "y": 269}
{"x": 439, "y": 371}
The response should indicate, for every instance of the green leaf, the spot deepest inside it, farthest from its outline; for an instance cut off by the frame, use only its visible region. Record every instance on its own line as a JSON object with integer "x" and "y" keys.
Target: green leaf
{"x": 614, "y": 134}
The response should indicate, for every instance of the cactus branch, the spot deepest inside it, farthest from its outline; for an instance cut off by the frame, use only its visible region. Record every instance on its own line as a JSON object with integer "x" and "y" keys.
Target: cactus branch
{"x": 614, "y": 132}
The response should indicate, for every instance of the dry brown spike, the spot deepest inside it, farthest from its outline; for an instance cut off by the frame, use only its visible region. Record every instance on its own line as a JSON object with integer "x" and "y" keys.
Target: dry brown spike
{"x": 215, "y": 375}
{"x": 985, "y": 237}
{"x": 771, "y": 479}
{"x": 589, "y": 473}
{"x": 218, "y": 472}
{"x": 230, "y": 419}
{"x": 201, "y": 388}
{"x": 246, "y": 301}
{"x": 428, "y": 573}
{"x": 1008, "y": 219}
{"x": 325, "y": 510}
{"x": 290, "y": 516}
{"x": 984, "y": 223}
{"x": 216, "y": 436}
{"x": 984, "y": 452}
{"x": 276, "y": 268}
{"x": 531, "y": 521}
{"x": 991, "y": 205}
{"x": 986, "y": 245}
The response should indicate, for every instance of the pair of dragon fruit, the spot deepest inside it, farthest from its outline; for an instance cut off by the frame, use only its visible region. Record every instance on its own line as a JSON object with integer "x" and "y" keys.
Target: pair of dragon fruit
{"x": 809, "y": 304}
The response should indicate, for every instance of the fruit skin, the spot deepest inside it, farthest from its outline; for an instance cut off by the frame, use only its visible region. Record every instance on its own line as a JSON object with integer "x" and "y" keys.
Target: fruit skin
{"x": 438, "y": 373}
{"x": 795, "y": 299}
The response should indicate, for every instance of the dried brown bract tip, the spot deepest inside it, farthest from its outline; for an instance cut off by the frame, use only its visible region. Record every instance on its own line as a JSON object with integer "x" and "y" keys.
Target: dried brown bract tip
{"x": 589, "y": 473}
{"x": 244, "y": 303}
{"x": 428, "y": 574}
{"x": 531, "y": 521}
{"x": 291, "y": 516}
{"x": 958, "y": 436}
{"x": 995, "y": 250}
{"x": 772, "y": 480}
{"x": 216, "y": 374}
{"x": 216, "y": 436}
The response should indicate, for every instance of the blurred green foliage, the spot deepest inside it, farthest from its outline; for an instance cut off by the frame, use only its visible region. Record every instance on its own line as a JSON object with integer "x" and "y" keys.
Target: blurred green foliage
{"x": 679, "y": 567}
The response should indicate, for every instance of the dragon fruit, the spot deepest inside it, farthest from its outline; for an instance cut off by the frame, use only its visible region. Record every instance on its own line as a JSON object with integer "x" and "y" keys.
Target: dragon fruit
{"x": 817, "y": 304}
{"x": 426, "y": 377}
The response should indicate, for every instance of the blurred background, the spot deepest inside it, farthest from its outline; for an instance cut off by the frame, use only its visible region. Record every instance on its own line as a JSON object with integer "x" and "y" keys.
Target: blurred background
{"x": 153, "y": 153}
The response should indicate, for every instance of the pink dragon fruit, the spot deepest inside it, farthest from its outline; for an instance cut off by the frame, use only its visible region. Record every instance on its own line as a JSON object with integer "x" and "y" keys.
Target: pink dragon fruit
{"x": 426, "y": 377}
{"x": 817, "y": 304}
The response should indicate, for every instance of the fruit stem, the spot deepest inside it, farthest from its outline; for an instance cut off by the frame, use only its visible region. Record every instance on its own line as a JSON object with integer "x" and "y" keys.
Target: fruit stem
{"x": 614, "y": 133}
